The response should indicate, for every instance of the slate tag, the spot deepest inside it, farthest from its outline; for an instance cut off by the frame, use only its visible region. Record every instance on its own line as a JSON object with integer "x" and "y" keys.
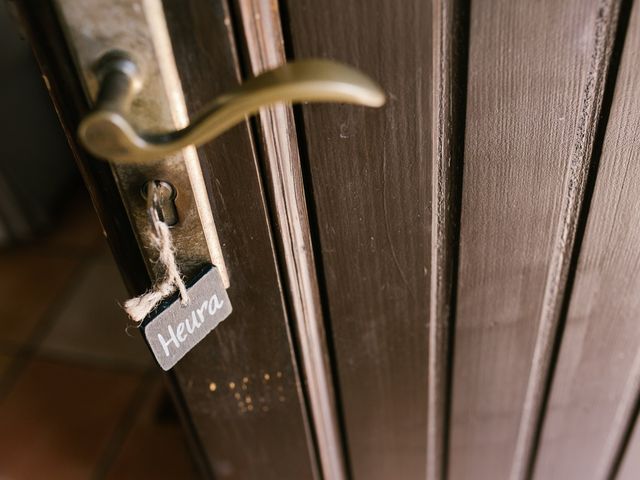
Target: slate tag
{"x": 173, "y": 329}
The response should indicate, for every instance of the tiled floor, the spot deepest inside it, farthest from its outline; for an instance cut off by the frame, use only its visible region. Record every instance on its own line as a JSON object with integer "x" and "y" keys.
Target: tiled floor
{"x": 79, "y": 397}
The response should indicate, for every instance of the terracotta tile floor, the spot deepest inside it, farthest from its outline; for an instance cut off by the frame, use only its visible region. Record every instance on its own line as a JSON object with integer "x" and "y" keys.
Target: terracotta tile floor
{"x": 79, "y": 398}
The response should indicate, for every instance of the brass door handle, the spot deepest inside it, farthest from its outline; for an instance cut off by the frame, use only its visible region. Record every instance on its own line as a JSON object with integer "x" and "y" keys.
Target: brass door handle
{"x": 107, "y": 133}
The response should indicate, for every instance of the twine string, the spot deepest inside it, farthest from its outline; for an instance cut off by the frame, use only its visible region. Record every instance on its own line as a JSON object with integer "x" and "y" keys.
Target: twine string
{"x": 139, "y": 307}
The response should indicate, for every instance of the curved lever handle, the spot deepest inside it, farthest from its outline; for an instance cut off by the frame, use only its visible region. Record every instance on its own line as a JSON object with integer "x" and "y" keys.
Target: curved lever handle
{"x": 107, "y": 133}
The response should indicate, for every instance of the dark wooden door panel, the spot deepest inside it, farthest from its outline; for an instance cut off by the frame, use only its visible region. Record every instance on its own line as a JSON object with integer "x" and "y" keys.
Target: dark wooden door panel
{"x": 370, "y": 177}
{"x": 534, "y": 89}
{"x": 262, "y": 32}
{"x": 597, "y": 379}
{"x": 515, "y": 353}
{"x": 255, "y": 424}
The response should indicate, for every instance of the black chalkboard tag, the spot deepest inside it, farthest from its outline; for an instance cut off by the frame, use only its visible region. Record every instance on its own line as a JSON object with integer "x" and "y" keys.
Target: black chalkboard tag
{"x": 172, "y": 329}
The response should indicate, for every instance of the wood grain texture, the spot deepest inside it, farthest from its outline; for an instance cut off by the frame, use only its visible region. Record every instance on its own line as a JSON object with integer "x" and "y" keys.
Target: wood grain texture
{"x": 254, "y": 423}
{"x": 262, "y": 33}
{"x": 450, "y": 36}
{"x": 595, "y": 389}
{"x": 534, "y": 90}
{"x": 370, "y": 177}
{"x": 536, "y": 72}
{"x": 576, "y": 177}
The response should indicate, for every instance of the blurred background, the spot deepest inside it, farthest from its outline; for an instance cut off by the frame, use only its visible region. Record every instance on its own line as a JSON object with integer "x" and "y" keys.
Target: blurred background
{"x": 78, "y": 395}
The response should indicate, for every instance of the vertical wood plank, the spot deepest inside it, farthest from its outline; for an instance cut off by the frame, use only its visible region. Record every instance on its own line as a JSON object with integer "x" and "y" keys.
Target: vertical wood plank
{"x": 241, "y": 383}
{"x": 450, "y": 37}
{"x": 595, "y": 390}
{"x": 262, "y": 33}
{"x": 536, "y": 74}
{"x": 563, "y": 253}
{"x": 370, "y": 177}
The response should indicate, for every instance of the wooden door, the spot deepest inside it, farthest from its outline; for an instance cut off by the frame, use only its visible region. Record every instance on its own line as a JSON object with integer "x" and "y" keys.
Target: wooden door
{"x": 240, "y": 391}
{"x": 443, "y": 288}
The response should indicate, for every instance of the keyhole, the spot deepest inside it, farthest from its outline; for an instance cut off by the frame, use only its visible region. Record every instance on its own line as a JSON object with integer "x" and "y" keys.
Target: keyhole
{"x": 167, "y": 212}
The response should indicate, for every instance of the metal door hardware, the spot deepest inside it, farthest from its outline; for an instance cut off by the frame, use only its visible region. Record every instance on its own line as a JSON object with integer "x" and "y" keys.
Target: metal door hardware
{"x": 107, "y": 133}
{"x": 94, "y": 27}
{"x": 140, "y": 123}
{"x": 164, "y": 197}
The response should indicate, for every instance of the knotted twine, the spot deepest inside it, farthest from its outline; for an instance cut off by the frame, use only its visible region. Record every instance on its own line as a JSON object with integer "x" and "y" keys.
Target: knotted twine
{"x": 139, "y": 307}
